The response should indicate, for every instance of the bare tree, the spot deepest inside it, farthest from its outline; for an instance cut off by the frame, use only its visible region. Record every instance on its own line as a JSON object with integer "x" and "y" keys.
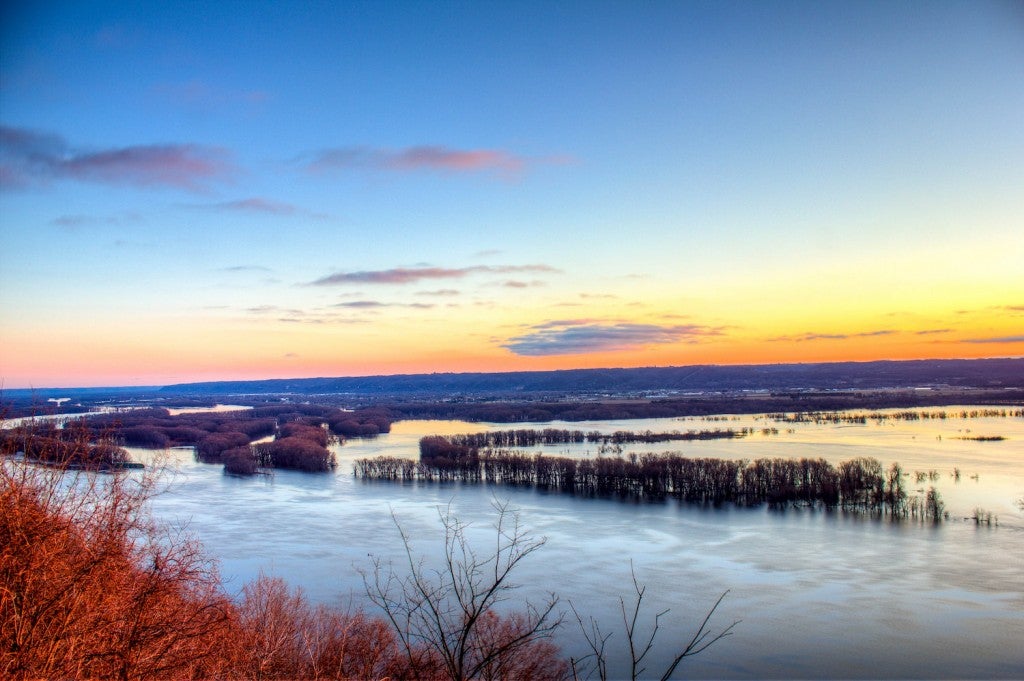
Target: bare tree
{"x": 596, "y": 662}
{"x": 448, "y": 614}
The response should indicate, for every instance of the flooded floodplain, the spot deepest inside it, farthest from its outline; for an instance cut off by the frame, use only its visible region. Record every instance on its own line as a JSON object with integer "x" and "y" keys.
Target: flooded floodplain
{"x": 820, "y": 594}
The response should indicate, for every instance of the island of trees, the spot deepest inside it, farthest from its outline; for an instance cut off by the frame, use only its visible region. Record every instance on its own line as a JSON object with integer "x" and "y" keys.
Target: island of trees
{"x": 860, "y": 484}
{"x": 246, "y": 442}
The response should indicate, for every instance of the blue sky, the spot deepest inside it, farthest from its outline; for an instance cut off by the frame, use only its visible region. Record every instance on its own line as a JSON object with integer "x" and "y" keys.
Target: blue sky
{"x": 529, "y": 185}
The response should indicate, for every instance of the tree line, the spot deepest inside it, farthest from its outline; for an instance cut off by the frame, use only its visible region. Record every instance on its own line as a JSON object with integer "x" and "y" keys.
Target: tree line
{"x": 555, "y": 436}
{"x": 69, "y": 447}
{"x": 515, "y": 409}
{"x": 818, "y": 417}
{"x": 860, "y": 484}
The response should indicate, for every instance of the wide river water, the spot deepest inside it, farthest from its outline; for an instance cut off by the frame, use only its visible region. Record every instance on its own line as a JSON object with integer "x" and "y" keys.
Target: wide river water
{"x": 818, "y": 594}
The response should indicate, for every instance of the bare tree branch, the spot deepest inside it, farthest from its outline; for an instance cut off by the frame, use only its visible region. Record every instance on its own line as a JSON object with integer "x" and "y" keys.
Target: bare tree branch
{"x": 596, "y": 661}
{"x": 451, "y": 611}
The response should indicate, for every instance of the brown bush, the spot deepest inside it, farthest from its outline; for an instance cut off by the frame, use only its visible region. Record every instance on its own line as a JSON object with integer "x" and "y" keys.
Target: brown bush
{"x": 283, "y": 636}
{"x": 89, "y": 586}
{"x": 305, "y": 431}
{"x": 240, "y": 461}
{"x": 296, "y": 453}
{"x": 211, "y": 447}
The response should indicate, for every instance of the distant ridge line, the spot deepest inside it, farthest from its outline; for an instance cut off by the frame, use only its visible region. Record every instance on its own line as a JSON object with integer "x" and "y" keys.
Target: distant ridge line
{"x": 873, "y": 375}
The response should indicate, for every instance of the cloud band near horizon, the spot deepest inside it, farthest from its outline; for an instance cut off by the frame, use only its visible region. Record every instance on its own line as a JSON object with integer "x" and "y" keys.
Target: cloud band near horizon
{"x": 572, "y": 338}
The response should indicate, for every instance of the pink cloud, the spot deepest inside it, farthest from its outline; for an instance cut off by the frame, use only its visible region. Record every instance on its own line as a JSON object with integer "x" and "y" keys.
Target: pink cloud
{"x": 261, "y": 206}
{"x": 515, "y": 283}
{"x": 185, "y": 166}
{"x": 399, "y": 275}
{"x": 254, "y": 204}
{"x": 33, "y": 157}
{"x": 451, "y": 159}
{"x": 405, "y": 275}
{"x": 438, "y": 158}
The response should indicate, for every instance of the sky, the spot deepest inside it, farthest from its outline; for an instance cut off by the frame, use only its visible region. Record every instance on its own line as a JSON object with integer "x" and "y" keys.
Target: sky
{"x": 196, "y": 191}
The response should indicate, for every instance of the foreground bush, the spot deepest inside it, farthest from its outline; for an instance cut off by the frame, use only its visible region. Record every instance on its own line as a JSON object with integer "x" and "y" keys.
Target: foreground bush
{"x": 282, "y": 636}
{"x": 90, "y": 589}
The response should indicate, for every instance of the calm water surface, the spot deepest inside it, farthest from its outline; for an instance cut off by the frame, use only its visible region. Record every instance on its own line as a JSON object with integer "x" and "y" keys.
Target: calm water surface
{"x": 820, "y": 595}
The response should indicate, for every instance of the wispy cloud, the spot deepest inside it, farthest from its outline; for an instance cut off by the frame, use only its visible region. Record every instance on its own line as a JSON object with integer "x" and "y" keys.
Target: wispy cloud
{"x": 376, "y": 304}
{"x": 443, "y": 292}
{"x": 246, "y": 268}
{"x": 361, "y": 304}
{"x": 513, "y": 283}
{"x": 586, "y": 321}
{"x": 274, "y": 309}
{"x": 932, "y": 332}
{"x": 75, "y": 221}
{"x": 407, "y": 275}
{"x": 574, "y": 337}
{"x": 996, "y": 339}
{"x": 199, "y": 93}
{"x": 417, "y": 158}
{"x": 275, "y": 313}
{"x": 810, "y": 336}
{"x": 30, "y": 158}
{"x": 252, "y": 205}
{"x": 256, "y": 205}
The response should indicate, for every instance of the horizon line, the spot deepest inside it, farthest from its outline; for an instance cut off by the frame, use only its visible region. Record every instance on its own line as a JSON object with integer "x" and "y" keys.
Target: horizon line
{"x": 158, "y": 386}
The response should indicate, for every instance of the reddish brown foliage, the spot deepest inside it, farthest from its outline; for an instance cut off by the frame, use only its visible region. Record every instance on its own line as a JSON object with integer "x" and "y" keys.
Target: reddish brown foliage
{"x": 240, "y": 461}
{"x": 90, "y": 589}
{"x": 211, "y": 447}
{"x": 283, "y": 636}
{"x": 307, "y": 432}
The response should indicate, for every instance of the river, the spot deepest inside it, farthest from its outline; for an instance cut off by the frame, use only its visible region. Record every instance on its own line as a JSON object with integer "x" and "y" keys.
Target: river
{"x": 818, "y": 594}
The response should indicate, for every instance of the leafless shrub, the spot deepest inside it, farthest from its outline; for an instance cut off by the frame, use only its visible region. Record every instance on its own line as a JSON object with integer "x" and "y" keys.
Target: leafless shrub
{"x": 596, "y": 662}
{"x": 449, "y": 614}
